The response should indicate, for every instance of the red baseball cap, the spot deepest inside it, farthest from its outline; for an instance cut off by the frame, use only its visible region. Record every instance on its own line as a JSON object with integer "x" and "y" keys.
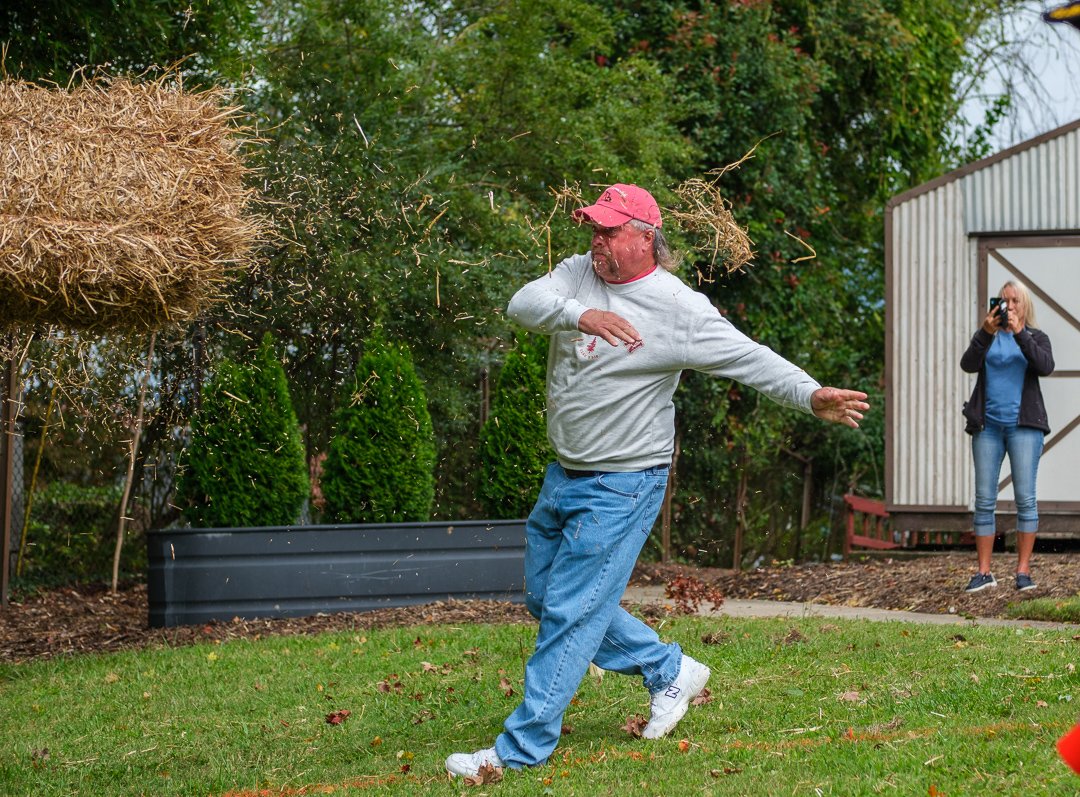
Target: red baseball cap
{"x": 619, "y": 204}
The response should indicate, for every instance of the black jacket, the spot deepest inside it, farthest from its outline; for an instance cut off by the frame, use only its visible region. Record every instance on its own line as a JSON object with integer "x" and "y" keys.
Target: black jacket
{"x": 1035, "y": 346}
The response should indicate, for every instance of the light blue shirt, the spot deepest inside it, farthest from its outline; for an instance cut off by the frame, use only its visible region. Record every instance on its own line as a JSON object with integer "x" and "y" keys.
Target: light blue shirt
{"x": 1005, "y": 369}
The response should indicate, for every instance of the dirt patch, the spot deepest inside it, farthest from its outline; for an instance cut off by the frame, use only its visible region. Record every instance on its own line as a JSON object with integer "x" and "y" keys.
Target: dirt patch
{"x": 88, "y": 619}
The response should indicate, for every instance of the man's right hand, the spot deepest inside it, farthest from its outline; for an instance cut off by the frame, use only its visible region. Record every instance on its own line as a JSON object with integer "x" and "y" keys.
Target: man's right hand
{"x": 611, "y": 327}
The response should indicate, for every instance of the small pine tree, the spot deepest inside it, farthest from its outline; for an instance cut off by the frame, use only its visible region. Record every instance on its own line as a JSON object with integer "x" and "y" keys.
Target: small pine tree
{"x": 514, "y": 449}
{"x": 245, "y": 464}
{"x": 380, "y": 467}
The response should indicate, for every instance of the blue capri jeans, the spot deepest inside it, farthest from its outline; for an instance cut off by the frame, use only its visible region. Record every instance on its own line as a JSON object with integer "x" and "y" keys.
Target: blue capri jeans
{"x": 1024, "y": 446}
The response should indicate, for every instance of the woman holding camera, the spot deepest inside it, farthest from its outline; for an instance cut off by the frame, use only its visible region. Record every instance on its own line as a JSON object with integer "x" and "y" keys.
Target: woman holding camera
{"x": 1006, "y": 415}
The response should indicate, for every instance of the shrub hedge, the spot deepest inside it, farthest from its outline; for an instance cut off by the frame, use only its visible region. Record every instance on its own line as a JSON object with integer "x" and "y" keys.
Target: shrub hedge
{"x": 381, "y": 464}
{"x": 72, "y": 536}
{"x": 514, "y": 448}
{"x": 245, "y": 463}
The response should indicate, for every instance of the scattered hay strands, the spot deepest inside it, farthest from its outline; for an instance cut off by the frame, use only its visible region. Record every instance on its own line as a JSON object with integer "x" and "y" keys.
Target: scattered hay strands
{"x": 702, "y": 212}
{"x": 123, "y": 204}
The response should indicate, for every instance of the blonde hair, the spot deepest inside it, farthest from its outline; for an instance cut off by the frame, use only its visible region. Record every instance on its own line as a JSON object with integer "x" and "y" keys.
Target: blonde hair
{"x": 1023, "y": 298}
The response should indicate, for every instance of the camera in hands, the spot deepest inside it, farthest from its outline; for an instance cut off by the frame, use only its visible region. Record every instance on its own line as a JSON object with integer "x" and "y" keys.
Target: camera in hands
{"x": 1002, "y": 308}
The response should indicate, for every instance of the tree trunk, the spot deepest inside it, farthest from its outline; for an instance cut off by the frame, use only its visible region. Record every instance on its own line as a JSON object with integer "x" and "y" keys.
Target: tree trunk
{"x": 133, "y": 456}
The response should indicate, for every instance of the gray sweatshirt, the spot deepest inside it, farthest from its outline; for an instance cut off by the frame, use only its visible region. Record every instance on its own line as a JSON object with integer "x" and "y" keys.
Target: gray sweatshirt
{"x": 609, "y": 407}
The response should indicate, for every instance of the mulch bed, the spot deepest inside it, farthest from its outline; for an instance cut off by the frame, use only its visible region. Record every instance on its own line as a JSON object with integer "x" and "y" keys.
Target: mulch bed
{"x": 88, "y": 619}
{"x": 932, "y": 583}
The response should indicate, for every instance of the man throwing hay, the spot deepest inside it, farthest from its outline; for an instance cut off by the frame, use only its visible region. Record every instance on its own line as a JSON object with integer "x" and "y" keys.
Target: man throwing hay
{"x": 622, "y": 328}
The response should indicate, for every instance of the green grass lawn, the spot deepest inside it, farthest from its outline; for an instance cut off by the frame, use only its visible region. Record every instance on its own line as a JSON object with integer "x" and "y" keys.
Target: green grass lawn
{"x": 808, "y": 707}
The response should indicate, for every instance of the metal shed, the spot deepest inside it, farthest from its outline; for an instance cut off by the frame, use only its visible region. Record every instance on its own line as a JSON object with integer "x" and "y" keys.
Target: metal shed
{"x": 949, "y": 245}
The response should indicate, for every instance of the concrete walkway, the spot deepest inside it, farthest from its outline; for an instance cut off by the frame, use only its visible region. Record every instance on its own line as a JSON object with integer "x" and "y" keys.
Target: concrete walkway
{"x": 654, "y": 595}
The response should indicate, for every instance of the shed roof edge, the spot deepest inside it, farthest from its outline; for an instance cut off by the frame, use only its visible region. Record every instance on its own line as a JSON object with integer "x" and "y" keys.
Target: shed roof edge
{"x": 978, "y": 165}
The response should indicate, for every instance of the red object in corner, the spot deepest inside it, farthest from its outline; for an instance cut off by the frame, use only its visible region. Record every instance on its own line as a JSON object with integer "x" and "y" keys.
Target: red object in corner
{"x": 1069, "y": 748}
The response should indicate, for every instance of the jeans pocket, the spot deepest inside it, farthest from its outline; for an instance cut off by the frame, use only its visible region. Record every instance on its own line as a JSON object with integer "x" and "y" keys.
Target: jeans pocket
{"x": 627, "y": 485}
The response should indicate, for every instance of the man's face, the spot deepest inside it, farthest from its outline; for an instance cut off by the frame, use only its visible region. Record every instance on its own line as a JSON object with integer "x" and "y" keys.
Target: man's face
{"x": 621, "y": 253}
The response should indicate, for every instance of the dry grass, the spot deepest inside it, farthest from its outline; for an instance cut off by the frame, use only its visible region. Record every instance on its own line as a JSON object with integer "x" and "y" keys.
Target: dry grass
{"x": 123, "y": 204}
{"x": 701, "y": 211}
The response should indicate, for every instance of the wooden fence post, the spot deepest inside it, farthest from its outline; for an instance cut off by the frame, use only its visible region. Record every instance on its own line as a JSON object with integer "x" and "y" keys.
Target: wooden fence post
{"x": 8, "y": 398}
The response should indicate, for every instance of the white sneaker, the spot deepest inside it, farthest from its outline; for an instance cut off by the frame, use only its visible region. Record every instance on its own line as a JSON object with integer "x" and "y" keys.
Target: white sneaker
{"x": 467, "y": 765}
{"x": 669, "y": 706}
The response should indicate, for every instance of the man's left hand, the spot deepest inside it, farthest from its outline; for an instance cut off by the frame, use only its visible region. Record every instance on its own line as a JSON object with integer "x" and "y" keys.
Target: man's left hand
{"x": 839, "y": 406}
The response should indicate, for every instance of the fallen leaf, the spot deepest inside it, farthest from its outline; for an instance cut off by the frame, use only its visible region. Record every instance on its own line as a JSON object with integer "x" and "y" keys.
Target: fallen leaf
{"x": 1040, "y": 704}
{"x": 703, "y": 697}
{"x": 566, "y": 729}
{"x": 376, "y": 741}
{"x": 716, "y": 638}
{"x": 337, "y": 717}
{"x": 406, "y": 767}
{"x": 427, "y": 666}
{"x": 423, "y": 716}
{"x": 793, "y": 637}
{"x": 684, "y": 745}
{"x": 39, "y": 757}
{"x": 635, "y": 725}
{"x": 390, "y": 686}
{"x": 506, "y": 687}
{"x": 848, "y": 697}
{"x": 486, "y": 774}
{"x": 112, "y": 678}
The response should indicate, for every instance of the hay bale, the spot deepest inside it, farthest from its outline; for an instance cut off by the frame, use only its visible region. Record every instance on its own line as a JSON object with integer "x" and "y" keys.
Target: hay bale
{"x": 122, "y": 204}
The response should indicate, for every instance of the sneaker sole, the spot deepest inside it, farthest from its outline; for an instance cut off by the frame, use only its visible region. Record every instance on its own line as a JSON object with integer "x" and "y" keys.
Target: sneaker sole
{"x": 692, "y": 691}
{"x": 980, "y": 589}
{"x": 1025, "y": 589}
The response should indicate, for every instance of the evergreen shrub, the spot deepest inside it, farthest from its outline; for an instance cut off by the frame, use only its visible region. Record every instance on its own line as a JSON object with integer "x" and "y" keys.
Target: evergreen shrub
{"x": 72, "y": 536}
{"x": 381, "y": 464}
{"x": 514, "y": 449}
{"x": 245, "y": 464}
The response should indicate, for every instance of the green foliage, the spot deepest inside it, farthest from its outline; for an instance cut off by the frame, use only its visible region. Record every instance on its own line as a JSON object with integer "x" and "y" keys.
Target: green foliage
{"x": 425, "y": 184}
{"x": 49, "y": 39}
{"x": 514, "y": 449}
{"x": 380, "y": 466}
{"x": 245, "y": 464}
{"x": 72, "y": 536}
{"x": 412, "y": 148}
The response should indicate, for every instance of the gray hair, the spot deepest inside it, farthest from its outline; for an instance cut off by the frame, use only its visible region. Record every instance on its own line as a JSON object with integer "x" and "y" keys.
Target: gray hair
{"x": 665, "y": 258}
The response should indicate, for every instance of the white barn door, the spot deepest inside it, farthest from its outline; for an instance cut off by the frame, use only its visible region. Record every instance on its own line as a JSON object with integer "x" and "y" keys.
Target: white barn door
{"x": 1050, "y": 268}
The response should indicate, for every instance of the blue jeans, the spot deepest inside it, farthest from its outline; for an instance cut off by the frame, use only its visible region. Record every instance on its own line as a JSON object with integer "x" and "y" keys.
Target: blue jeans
{"x": 1024, "y": 446}
{"x": 582, "y": 540}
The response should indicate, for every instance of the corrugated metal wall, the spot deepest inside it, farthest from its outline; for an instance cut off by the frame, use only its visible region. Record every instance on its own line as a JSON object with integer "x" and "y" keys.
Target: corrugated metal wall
{"x": 932, "y": 287}
{"x": 1036, "y": 189}
{"x": 931, "y": 295}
